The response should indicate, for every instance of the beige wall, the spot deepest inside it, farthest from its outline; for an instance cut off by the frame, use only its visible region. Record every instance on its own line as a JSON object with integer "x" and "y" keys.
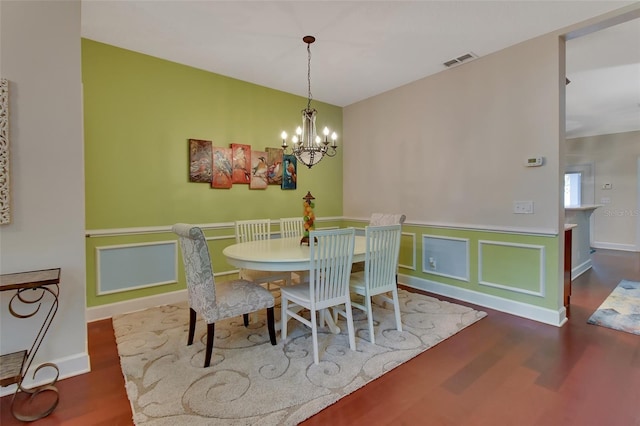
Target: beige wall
{"x": 41, "y": 59}
{"x": 450, "y": 149}
{"x": 615, "y": 158}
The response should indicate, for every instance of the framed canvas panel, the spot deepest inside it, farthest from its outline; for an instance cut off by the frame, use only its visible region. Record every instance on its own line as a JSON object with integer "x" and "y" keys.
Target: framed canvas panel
{"x": 290, "y": 172}
{"x": 274, "y": 166}
{"x": 200, "y": 160}
{"x": 5, "y": 208}
{"x": 221, "y": 168}
{"x": 241, "y": 162}
{"x": 259, "y": 170}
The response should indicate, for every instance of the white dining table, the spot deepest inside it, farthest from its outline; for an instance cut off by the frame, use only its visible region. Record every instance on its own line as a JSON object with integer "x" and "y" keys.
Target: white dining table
{"x": 283, "y": 254}
{"x": 279, "y": 254}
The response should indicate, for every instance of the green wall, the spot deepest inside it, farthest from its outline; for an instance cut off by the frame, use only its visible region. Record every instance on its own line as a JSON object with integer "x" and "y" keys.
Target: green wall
{"x": 140, "y": 111}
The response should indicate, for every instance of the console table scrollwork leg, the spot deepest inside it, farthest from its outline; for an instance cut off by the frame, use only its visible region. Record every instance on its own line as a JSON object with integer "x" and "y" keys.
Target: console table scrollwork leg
{"x": 21, "y": 414}
{"x": 19, "y": 406}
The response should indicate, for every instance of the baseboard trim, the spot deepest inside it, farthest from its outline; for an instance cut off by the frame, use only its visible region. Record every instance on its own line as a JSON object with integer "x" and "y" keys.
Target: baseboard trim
{"x": 580, "y": 269}
{"x": 69, "y": 366}
{"x": 107, "y": 311}
{"x": 535, "y": 313}
{"x": 614, "y": 246}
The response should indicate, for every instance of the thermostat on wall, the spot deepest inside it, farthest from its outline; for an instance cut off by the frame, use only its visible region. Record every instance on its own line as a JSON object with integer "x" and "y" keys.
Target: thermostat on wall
{"x": 535, "y": 161}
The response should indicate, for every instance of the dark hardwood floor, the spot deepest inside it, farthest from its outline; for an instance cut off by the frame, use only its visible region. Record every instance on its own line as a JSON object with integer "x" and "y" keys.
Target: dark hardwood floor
{"x": 503, "y": 370}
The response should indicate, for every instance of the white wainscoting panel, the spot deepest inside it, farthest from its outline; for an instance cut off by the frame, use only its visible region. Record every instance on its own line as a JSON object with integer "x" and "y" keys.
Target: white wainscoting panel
{"x": 540, "y": 291}
{"x": 445, "y": 256}
{"x": 413, "y": 266}
{"x": 132, "y": 266}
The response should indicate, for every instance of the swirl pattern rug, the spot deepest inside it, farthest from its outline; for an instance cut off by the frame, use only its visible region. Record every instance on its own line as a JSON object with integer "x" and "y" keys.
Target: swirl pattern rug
{"x": 251, "y": 382}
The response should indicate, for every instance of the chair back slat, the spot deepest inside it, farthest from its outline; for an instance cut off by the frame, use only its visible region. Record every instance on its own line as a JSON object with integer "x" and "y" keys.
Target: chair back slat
{"x": 381, "y": 256}
{"x": 252, "y": 230}
{"x": 291, "y": 227}
{"x": 198, "y": 271}
{"x": 331, "y": 257}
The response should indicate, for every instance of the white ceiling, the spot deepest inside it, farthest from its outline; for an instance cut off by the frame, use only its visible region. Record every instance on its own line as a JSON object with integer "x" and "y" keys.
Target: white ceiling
{"x": 364, "y": 48}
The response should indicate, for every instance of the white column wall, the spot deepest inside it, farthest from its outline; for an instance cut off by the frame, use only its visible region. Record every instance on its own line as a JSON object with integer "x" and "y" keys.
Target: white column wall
{"x": 40, "y": 56}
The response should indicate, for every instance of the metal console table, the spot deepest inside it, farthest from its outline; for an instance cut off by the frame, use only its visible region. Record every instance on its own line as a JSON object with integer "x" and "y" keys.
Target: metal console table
{"x": 32, "y": 289}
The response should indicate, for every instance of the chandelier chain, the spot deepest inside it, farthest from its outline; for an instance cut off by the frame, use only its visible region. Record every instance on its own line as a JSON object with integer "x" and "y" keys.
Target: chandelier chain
{"x": 309, "y": 75}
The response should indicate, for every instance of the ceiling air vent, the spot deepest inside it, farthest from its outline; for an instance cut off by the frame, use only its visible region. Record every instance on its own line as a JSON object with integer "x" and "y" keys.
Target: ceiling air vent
{"x": 460, "y": 59}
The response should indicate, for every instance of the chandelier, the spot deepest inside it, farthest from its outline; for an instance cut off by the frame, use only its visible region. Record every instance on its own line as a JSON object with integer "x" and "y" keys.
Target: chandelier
{"x": 308, "y": 147}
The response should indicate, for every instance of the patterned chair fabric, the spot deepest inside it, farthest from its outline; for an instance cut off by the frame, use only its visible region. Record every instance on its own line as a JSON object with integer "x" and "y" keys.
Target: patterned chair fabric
{"x": 216, "y": 302}
{"x": 381, "y": 219}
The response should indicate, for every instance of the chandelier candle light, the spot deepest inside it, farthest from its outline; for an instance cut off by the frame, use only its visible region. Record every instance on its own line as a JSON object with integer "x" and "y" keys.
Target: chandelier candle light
{"x": 308, "y": 146}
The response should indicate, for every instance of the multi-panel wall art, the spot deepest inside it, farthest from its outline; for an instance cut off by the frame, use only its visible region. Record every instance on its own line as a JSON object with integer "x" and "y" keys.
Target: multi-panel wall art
{"x": 222, "y": 167}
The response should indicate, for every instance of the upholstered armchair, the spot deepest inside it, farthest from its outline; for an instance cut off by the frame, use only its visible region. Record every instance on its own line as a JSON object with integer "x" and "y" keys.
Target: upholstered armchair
{"x": 217, "y": 302}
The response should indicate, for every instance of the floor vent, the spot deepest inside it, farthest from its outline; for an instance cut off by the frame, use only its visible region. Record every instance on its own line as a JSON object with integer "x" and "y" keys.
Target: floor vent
{"x": 460, "y": 59}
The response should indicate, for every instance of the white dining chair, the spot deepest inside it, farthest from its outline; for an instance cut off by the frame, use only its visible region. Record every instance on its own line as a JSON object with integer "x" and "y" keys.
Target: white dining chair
{"x": 291, "y": 227}
{"x": 379, "y": 275}
{"x": 255, "y": 230}
{"x": 328, "y": 285}
{"x": 217, "y": 302}
{"x": 379, "y": 219}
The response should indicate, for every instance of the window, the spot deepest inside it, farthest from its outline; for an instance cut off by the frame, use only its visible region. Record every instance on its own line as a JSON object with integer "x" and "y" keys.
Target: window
{"x": 572, "y": 186}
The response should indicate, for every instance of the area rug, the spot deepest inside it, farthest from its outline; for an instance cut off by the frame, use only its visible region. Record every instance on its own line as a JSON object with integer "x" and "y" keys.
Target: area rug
{"x": 251, "y": 382}
{"x": 621, "y": 310}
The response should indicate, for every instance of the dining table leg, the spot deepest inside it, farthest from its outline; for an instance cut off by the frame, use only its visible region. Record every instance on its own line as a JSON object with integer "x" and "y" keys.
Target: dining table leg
{"x": 326, "y": 317}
